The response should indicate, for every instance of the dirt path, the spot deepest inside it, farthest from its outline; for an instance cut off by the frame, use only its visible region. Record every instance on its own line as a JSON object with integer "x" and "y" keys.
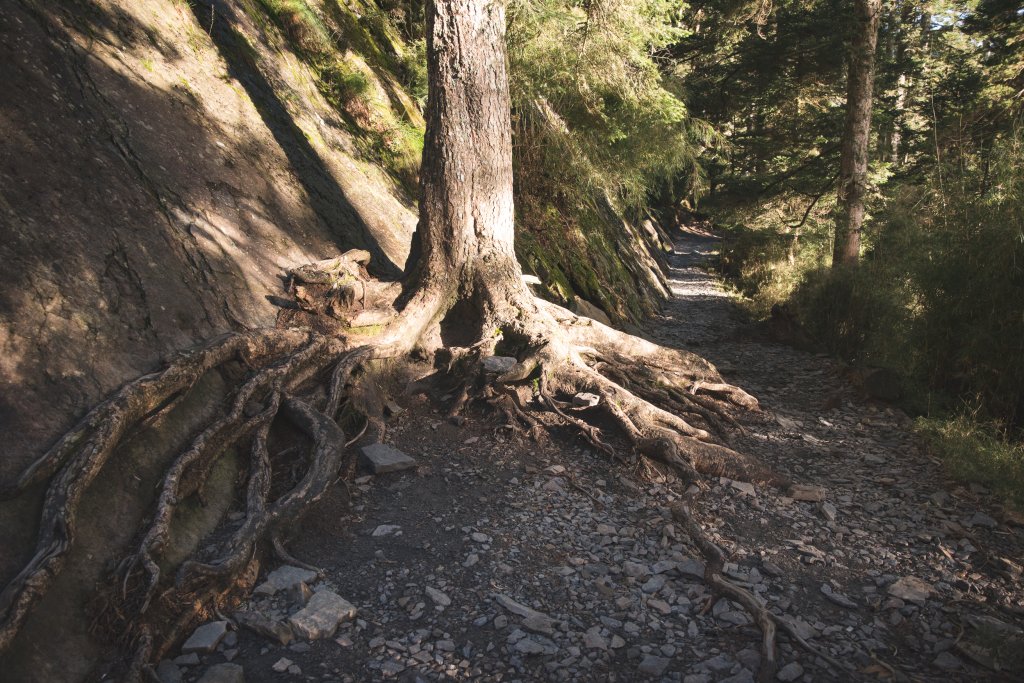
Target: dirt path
{"x": 502, "y": 560}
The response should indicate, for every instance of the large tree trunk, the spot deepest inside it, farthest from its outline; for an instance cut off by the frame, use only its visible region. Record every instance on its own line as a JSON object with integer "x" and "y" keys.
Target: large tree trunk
{"x": 466, "y": 229}
{"x": 853, "y": 165}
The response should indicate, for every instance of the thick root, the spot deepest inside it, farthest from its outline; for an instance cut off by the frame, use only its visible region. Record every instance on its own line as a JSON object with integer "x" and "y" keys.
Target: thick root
{"x": 76, "y": 460}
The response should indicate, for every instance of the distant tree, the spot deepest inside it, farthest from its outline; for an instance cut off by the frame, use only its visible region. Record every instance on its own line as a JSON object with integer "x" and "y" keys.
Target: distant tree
{"x": 853, "y": 163}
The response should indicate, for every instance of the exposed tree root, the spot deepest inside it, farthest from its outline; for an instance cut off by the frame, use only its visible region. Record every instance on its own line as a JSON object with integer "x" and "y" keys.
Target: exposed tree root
{"x": 770, "y": 624}
{"x": 305, "y": 377}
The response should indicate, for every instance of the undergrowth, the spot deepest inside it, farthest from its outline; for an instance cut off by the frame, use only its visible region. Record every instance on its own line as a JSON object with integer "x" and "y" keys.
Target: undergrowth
{"x": 938, "y": 298}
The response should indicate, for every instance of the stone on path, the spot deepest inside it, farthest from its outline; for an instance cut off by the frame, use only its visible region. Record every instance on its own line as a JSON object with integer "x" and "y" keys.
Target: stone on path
{"x": 790, "y": 672}
{"x": 911, "y": 589}
{"x": 224, "y": 673}
{"x": 168, "y": 672}
{"x": 268, "y": 628}
{"x": 321, "y": 616}
{"x": 206, "y": 638}
{"x": 382, "y": 458}
{"x": 807, "y": 492}
{"x": 387, "y": 530}
{"x": 743, "y": 487}
{"x": 439, "y": 598}
{"x": 281, "y": 665}
{"x": 285, "y": 578}
{"x": 652, "y": 665}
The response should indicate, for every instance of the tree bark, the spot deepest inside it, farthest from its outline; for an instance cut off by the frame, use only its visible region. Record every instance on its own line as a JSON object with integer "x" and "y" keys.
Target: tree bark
{"x": 466, "y": 228}
{"x": 853, "y": 165}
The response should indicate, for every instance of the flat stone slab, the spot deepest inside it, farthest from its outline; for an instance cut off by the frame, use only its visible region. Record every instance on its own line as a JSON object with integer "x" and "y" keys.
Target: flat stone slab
{"x": 321, "y": 615}
{"x": 206, "y": 638}
{"x": 285, "y": 578}
{"x": 224, "y": 673}
{"x": 381, "y": 458}
{"x": 911, "y": 589}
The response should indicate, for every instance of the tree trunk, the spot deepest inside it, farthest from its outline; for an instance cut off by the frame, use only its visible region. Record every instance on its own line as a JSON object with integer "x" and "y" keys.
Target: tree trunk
{"x": 853, "y": 165}
{"x": 466, "y": 228}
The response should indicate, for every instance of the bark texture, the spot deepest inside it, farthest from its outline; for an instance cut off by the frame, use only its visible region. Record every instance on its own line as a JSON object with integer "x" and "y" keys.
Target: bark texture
{"x": 853, "y": 164}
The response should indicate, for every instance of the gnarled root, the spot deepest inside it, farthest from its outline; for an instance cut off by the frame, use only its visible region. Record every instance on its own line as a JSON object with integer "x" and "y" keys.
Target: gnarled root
{"x": 770, "y": 624}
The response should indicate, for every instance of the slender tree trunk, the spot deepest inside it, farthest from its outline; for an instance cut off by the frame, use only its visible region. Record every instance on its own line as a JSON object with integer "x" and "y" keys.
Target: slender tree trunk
{"x": 853, "y": 165}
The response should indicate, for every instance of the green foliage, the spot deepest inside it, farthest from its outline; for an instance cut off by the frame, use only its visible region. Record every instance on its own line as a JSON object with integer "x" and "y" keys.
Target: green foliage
{"x": 356, "y": 56}
{"x": 594, "y": 110}
{"x": 976, "y": 452}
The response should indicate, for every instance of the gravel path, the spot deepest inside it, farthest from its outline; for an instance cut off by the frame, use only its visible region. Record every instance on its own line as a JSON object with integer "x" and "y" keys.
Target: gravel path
{"x": 499, "y": 560}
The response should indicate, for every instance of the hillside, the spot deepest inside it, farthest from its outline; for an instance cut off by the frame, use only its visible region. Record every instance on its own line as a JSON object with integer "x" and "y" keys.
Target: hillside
{"x": 162, "y": 165}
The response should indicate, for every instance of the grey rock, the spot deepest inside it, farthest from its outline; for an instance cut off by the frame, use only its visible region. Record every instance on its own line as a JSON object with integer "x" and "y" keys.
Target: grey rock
{"x": 191, "y": 659}
{"x": 285, "y": 578}
{"x": 382, "y": 458}
{"x": 223, "y": 673}
{"x": 948, "y": 661}
{"x": 745, "y": 488}
{"x": 439, "y": 598}
{"x": 790, "y": 672}
{"x": 744, "y": 676}
{"x": 691, "y": 567}
{"x": 635, "y": 569}
{"x": 585, "y": 400}
{"x": 532, "y": 646}
{"x": 981, "y": 519}
{"x": 321, "y": 616}
{"x": 281, "y": 665}
{"x": 837, "y": 598}
{"x": 652, "y": 665}
{"x": 911, "y": 589}
{"x": 498, "y": 365}
{"x": 264, "y": 626}
{"x": 206, "y": 638}
{"x": 386, "y": 530}
{"x": 168, "y": 672}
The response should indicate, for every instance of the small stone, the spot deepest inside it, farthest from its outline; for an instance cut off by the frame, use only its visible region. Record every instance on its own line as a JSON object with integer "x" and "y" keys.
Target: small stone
{"x": 743, "y": 487}
{"x": 500, "y": 621}
{"x": 191, "y": 659}
{"x": 321, "y": 616}
{"x": 206, "y": 638}
{"x": 660, "y": 605}
{"x": 381, "y": 458}
{"x": 387, "y": 530}
{"x": 828, "y": 510}
{"x": 594, "y": 640}
{"x": 478, "y": 537}
{"x": 498, "y": 365}
{"x": 790, "y": 672}
{"x": 529, "y": 646}
{"x": 807, "y": 493}
{"x": 284, "y": 578}
{"x": 223, "y": 673}
{"x": 837, "y": 598}
{"x": 281, "y": 665}
{"x": 168, "y": 672}
{"x": 911, "y": 589}
{"x": 652, "y": 665}
{"x": 635, "y": 569}
{"x": 268, "y": 628}
{"x": 947, "y": 661}
{"x": 617, "y": 642}
{"x": 981, "y": 519}
{"x": 439, "y": 598}
{"x": 692, "y": 567}
{"x": 585, "y": 400}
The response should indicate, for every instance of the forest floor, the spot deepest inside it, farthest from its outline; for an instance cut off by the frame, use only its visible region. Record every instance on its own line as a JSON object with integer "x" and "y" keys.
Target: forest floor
{"x": 500, "y": 559}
